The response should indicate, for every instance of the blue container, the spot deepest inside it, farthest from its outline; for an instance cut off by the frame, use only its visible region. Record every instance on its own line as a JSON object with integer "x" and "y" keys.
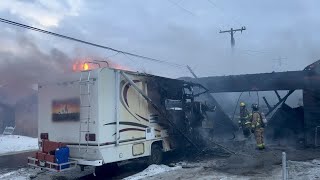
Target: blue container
{"x": 62, "y": 156}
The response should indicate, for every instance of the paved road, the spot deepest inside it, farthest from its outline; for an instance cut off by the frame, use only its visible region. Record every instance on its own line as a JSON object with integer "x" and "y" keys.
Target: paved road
{"x": 15, "y": 161}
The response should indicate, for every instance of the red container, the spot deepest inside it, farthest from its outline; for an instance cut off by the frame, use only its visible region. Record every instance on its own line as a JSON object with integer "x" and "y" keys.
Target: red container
{"x": 40, "y": 155}
{"x": 50, "y": 158}
{"x": 49, "y": 146}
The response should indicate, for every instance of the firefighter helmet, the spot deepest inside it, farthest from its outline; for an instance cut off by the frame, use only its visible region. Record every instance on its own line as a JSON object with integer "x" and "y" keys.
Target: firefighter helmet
{"x": 242, "y": 104}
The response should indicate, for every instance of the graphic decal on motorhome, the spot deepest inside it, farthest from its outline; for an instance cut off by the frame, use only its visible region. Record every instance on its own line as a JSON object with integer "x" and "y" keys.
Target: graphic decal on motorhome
{"x": 129, "y": 129}
{"x": 142, "y": 117}
{"x": 124, "y": 99}
{"x": 136, "y": 125}
{"x": 128, "y": 123}
{"x": 66, "y": 110}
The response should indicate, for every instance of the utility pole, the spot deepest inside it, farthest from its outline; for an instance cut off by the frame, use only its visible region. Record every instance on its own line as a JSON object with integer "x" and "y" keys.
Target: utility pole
{"x": 278, "y": 64}
{"x": 279, "y": 59}
{"x": 232, "y": 31}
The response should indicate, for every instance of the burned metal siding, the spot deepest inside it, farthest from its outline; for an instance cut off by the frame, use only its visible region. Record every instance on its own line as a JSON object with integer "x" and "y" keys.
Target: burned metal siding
{"x": 311, "y": 101}
{"x": 287, "y": 124}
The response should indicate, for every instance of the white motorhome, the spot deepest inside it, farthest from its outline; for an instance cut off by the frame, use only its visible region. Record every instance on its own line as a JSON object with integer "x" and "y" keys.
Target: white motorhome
{"x": 107, "y": 115}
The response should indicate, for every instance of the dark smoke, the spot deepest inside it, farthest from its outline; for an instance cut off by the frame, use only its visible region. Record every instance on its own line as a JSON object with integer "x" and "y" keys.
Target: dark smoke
{"x": 26, "y": 65}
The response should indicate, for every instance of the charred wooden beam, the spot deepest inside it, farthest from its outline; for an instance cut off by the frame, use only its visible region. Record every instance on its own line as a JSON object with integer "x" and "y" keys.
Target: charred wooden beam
{"x": 268, "y": 105}
{"x": 281, "y": 101}
{"x": 219, "y": 113}
{"x": 290, "y": 80}
{"x": 279, "y": 97}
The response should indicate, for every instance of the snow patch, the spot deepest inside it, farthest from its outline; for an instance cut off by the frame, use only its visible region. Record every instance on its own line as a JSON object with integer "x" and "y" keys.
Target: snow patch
{"x": 151, "y": 171}
{"x": 20, "y": 174}
{"x": 16, "y": 143}
{"x": 5, "y": 175}
{"x": 304, "y": 170}
{"x": 316, "y": 161}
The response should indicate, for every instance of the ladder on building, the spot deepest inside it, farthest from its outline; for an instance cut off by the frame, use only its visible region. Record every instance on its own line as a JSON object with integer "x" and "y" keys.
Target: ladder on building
{"x": 85, "y": 83}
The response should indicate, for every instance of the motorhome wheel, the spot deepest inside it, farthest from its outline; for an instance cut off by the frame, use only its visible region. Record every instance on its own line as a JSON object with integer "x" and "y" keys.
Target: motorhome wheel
{"x": 156, "y": 155}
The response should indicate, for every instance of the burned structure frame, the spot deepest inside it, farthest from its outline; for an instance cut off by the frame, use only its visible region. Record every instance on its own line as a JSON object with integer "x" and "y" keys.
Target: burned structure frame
{"x": 307, "y": 80}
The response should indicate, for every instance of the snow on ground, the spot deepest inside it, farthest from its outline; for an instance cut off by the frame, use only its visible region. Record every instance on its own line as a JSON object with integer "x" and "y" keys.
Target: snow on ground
{"x": 20, "y": 174}
{"x": 151, "y": 171}
{"x": 16, "y": 143}
{"x": 38, "y": 174}
{"x": 304, "y": 170}
{"x": 298, "y": 170}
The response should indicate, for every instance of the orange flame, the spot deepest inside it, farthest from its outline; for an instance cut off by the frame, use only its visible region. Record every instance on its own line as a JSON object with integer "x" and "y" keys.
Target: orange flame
{"x": 119, "y": 66}
{"x": 74, "y": 67}
{"x": 85, "y": 65}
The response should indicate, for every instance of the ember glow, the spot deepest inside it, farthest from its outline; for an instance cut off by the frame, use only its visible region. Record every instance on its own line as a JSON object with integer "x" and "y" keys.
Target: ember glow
{"x": 81, "y": 65}
{"x": 85, "y": 66}
{"x": 120, "y": 67}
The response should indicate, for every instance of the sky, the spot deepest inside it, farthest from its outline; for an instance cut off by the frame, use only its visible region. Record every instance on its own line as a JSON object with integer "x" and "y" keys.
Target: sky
{"x": 279, "y": 35}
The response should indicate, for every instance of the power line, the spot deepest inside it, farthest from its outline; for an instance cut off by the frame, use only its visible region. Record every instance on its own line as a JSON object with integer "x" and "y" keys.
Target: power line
{"x": 182, "y": 8}
{"x": 128, "y": 57}
{"x": 222, "y": 11}
{"x": 256, "y": 51}
{"x": 84, "y": 42}
{"x": 113, "y": 55}
{"x": 252, "y": 52}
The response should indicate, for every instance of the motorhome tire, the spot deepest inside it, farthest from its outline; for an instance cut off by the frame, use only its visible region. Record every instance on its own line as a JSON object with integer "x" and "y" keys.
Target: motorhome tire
{"x": 81, "y": 167}
{"x": 156, "y": 155}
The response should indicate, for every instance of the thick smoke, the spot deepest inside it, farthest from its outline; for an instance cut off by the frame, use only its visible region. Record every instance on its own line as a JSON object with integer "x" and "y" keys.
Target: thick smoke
{"x": 24, "y": 64}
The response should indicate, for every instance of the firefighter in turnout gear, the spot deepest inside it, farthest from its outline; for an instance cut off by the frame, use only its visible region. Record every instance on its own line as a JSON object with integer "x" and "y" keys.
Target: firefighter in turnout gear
{"x": 257, "y": 126}
{"x": 245, "y": 121}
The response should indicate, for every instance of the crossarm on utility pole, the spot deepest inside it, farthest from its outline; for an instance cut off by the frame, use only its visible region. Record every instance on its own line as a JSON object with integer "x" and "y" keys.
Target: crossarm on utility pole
{"x": 232, "y": 31}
